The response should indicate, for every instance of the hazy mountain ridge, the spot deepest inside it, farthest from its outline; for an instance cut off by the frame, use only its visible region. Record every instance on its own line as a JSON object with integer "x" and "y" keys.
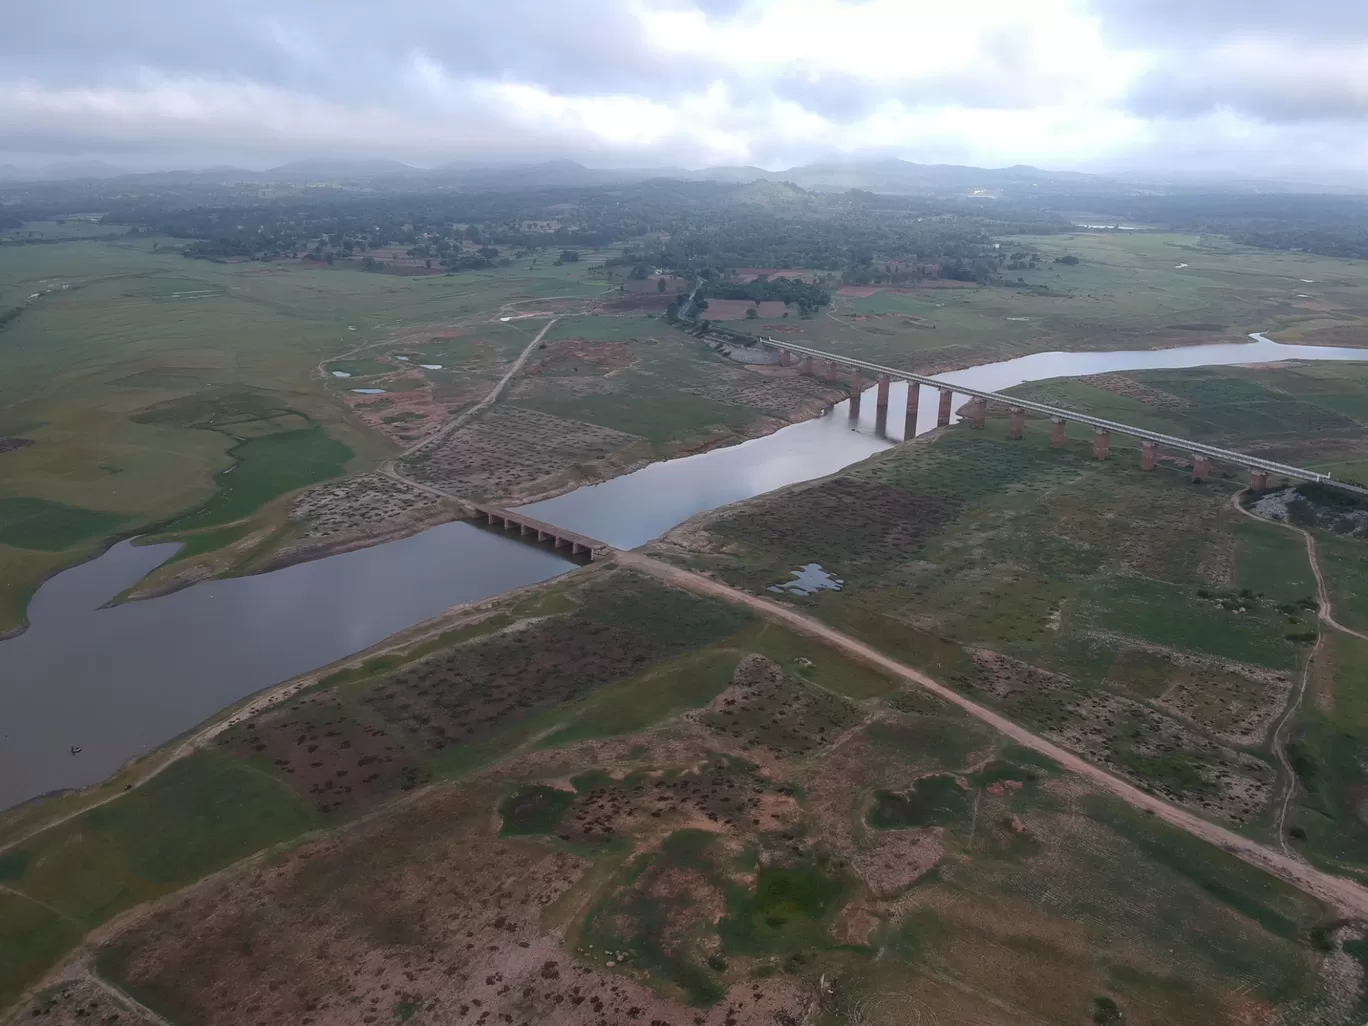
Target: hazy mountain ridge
{"x": 886, "y": 175}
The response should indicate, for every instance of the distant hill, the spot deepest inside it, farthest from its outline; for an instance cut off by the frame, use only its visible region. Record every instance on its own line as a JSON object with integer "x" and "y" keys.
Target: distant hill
{"x": 333, "y": 169}
{"x": 907, "y": 178}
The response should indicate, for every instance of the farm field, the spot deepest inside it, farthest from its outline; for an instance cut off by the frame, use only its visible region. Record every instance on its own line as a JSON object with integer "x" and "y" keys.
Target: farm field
{"x": 605, "y": 394}
{"x": 1127, "y": 292}
{"x": 558, "y": 809}
{"x": 138, "y": 379}
{"x": 1136, "y": 618}
{"x": 144, "y": 393}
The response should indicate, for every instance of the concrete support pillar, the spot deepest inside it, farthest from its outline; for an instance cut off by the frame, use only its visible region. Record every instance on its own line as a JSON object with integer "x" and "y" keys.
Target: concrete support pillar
{"x": 856, "y": 384}
{"x": 1101, "y": 444}
{"x": 831, "y": 370}
{"x": 1057, "y": 432}
{"x": 1258, "y": 480}
{"x": 910, "y": 422}
{"x": 1148, "y": 455}
{"x": 785, "y": 358}
{"x": 881, "y": 421}
{"x": 978, "y": 412}
{"x": 805, "y": 367}
{"x": 1201, "y": 468}
{"x": 883, "y": 393}
{"x": 943, "y": 413}
{"x": 1016, "y": 427}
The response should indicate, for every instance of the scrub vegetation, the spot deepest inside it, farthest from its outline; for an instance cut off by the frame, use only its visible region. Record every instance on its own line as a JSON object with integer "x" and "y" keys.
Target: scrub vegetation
{"x": 612, "y": 799}
{"x": 605, "y": 799}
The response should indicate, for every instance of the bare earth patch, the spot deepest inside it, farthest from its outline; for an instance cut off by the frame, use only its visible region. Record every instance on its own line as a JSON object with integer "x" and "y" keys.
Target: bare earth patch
{"x": 511, "y": 454}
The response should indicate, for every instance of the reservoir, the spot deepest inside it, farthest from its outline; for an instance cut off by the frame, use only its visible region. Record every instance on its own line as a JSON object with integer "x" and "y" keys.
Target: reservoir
{"x": 117, "y": 682}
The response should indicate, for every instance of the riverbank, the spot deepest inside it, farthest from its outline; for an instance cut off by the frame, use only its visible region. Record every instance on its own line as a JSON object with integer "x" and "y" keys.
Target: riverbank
{"x": 314, "y": 612}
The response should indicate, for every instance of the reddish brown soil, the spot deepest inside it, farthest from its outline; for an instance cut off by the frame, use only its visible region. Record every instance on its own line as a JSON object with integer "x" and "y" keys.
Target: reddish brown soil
{"x": 425, "y": 916}
{"x": 570, "y": 356}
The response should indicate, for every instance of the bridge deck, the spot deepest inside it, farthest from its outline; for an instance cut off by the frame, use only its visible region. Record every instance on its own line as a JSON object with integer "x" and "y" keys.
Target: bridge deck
{"x": 541, "y": 526}
{"x": 1171, "y": 441}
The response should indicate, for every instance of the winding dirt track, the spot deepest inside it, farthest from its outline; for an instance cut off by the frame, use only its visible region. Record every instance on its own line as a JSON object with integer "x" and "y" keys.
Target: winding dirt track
{"x": 1326, "y": 614}
{"x": 1348, "y": 897}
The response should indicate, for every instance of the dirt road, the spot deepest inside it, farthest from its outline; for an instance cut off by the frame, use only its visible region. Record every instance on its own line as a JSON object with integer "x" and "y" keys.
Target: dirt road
{"x": 1348, "y": 897}
{"x": 488, "y": 400}
{"x": 1327, "y": 616}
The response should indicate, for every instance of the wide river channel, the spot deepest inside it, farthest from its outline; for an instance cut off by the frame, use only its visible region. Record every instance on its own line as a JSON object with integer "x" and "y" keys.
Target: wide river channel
{"x": 119, "y": 681}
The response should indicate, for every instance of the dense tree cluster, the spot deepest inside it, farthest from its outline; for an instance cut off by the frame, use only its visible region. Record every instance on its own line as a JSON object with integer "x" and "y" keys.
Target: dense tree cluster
{"x": 692, "y": 229}
{"x": 805, "y": 296}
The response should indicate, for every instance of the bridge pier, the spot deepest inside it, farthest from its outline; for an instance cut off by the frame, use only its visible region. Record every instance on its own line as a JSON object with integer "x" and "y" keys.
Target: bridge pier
{"x": 978, "y": 412}
{"x": 1201, "y": 468}
{"x": 856, "y": 384}
{"x": 882, "y": 401}
{"x": 881, "y": 422}
{"x": 785, "y": 358}
{"x": 831, "y": 370}
{"x": 1148, "y": 455}
{"x": 947, "y": 396}
{"x": 1057, "y": 432}
{"x": 1016, "y": 427}
{"x": 1101, "y": 444}
{"x": 910, "y": 421}
{"x": 1258, "y": 480}
{"x": 805, "y": 367}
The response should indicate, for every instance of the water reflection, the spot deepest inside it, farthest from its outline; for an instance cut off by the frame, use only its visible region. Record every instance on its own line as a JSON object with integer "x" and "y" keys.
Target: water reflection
{"x": 119, "y": 681}
{"x": 122, "y": 680}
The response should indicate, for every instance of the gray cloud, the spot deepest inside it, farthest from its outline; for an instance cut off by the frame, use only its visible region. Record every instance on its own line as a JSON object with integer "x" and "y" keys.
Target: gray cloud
{"x": 343, "y": 47}
{"x": 1189, "y": 24}
{"x": 430, "y": 81}
{"x": 1268, "y": 60}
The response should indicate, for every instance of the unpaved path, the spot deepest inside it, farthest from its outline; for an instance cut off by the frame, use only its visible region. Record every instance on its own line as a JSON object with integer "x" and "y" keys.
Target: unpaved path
{"x": 124, "y": 998}
{"x": 1326, "y": 614}
{"x": 1350, "y": 898}
{"x": 487, "y": 401}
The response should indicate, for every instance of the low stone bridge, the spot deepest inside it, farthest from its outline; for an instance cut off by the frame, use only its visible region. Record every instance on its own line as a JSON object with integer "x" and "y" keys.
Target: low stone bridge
{"x": 814, "y": 361}
{"x": 527, "y": 527}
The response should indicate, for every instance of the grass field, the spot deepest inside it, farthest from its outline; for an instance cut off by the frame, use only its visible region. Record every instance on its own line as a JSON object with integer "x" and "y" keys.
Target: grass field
{"x": 1133, "y": 616}
{"x": 155, "y": 388}
{"x": 708, "y": 809}
{"x": 108, "y": 368}
{"x": 1128, "y": 292}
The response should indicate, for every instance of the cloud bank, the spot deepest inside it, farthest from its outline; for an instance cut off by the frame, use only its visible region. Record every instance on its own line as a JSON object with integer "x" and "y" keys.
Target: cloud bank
{"x": 1256, "y": 87}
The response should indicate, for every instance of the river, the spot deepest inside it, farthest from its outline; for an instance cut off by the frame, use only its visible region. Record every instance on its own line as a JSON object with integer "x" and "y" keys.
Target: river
{"x": 120, "y": 681}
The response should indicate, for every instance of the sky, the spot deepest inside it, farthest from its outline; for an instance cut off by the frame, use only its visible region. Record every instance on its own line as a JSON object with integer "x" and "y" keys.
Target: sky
{"x": 1262, "y": 88}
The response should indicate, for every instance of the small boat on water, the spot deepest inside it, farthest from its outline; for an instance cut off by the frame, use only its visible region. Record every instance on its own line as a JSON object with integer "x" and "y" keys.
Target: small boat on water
{"x": 75, "y": 749}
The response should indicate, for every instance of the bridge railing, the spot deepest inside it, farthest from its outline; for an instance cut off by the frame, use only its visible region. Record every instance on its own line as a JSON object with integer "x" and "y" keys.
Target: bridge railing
{"x": 1170, "y": 441}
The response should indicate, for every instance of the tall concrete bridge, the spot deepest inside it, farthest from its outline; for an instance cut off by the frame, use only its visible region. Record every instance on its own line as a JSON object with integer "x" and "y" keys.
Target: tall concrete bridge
{"x": 813, "y": 361}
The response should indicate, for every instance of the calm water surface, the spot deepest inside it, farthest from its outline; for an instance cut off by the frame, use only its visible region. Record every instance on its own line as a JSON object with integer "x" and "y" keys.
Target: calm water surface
{"x": 123, "y": 680}
{"x": 119, "y": 681}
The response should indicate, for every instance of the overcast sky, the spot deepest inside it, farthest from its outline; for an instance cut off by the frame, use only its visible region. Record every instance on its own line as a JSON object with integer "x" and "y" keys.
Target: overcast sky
{"x": 1262, "y": 87}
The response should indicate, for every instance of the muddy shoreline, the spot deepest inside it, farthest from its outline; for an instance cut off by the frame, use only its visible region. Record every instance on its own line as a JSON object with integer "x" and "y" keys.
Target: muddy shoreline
{"x": 305, "y": 553}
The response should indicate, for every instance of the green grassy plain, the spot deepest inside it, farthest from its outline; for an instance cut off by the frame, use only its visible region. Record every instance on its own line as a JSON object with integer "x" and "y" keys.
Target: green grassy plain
{"x": 1128, "y": 292}
{"x": 160, "y": 389}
